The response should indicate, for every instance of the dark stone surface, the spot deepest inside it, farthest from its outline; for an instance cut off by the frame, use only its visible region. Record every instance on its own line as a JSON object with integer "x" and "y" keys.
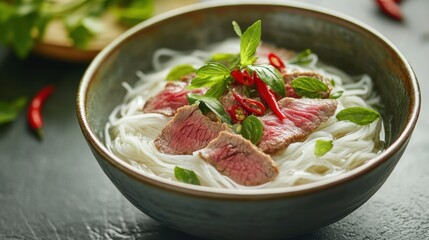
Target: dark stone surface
{"x": 54, "y": 189}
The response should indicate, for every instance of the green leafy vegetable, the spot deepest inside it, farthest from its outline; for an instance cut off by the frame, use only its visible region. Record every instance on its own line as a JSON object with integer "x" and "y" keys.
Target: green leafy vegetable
{"x": 358, "y": 115}
{"x": 252, "y": 129}
{"x": 179, "y": 71}
{"x": 321, "y": 147}
{"x": 237, "y": 28}
{"x": 332, "y": 82}
{"x": 23, "y": 22}
{"x": 309, "y": 87}
{"x": 212, "y": 104}
{"x": 249, "y": 42}
{"x": 217, "y": 90}
{"x": 10, "y": 110}
{"x": 209, "y": 75}
{"x": 186, "y": 176}
{"x": 271, "y": 76}
{"x": 303, "y": 58}
{"x": 336, "y": 95}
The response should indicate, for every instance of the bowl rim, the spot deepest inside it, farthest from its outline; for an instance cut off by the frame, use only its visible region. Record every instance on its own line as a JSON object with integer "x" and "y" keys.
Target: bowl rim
{"x": 247, "y": 194}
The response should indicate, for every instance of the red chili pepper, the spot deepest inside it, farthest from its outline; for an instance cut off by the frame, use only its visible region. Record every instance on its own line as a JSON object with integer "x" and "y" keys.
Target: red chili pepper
{"x": 390, "y": 8}
{"x": 34, "y": 114}
{"x": 268, "y": 96}
{"x": 251, "y": 106}
{"x": 238, "y": 113}
{"x": 242, "y": 77}
{"x": 276, "y": 62}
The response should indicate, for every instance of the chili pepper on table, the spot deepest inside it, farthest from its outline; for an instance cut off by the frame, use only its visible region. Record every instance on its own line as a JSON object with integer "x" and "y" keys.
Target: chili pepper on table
{"x": 251, "y": 106}
{"x": 268, "y": 96}
{"x": 276, "y": 62}
{"x": 390, "y": 8}
{"x": 34, "y": 114}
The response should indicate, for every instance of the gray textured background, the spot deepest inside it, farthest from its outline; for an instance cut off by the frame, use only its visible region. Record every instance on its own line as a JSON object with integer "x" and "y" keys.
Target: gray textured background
{"x": 55, "y": 190}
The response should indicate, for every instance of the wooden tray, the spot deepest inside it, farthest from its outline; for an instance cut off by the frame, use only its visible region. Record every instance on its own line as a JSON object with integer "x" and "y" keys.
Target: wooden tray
{"x": 56, "y": 44}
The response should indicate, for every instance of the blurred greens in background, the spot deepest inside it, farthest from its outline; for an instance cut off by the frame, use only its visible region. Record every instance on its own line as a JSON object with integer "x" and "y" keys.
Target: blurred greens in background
{"x": 23, "y": 22}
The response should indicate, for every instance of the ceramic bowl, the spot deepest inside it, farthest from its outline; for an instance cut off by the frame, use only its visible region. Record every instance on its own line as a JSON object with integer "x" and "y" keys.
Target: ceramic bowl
{"x": 255, "y": 214}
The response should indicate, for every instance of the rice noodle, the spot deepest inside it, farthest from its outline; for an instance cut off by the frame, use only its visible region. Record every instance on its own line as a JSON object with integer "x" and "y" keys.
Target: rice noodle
{"x": 129, "y": 133}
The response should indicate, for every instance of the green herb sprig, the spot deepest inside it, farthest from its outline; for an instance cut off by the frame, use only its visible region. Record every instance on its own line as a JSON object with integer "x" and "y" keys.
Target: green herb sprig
{"x": 249, "y": 43}
{"x": 252, "y": 129}
{"x": 215, "y": 72}
{"x": 186, "y": 175}
{"x": 179, "y": 71}
{"x": 209, "y": 75}
{"x": 309, "y": 87}
{"x": 321, "y": 147}
{"x": 209, "y": 103}
{"x": 23, "y": 23}
{"x": 358, "y": 115}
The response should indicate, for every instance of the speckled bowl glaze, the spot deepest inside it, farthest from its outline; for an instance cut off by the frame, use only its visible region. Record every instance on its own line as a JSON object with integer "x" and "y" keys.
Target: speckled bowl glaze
{"x": 253, "y": 214}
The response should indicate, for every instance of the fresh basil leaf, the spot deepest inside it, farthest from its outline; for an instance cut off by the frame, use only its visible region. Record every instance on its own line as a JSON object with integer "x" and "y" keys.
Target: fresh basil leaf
{"x": 209, "y": 75}
{"x": 333, "y": 83}
{"x": 321, "y": 147}
{"x": 10, "y": 110}
{"x": 302, "y": 58}
{"x": 211, "y": 103}
{"x": 217, "y": 90}
{"x": 237, "y": 28}
{"x": 271, "y": 76}
{"x": 186, "y": 175}
{"x": 198, "y": 82}
{"x": 213, "y": 69}
{"x": 249, "y": 43}
{"x": 358, "y": 115}
{"x": 309, "y": 87}
{"x": 252, "y": 129}
{"x": 179, "y": 71}
{"x": 336, "y": 95}
{"x": 228, "y": 59}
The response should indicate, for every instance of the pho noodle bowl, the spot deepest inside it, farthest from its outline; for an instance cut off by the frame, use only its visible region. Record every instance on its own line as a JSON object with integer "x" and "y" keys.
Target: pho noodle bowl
{"x": 130, "y": 133}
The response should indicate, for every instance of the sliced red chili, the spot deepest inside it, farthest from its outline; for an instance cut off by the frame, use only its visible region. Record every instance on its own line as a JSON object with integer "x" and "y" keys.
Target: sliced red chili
{"x": 268, "y": 96}
{"x": 390, "y": 8}
{"x": 251, "y": 105}
{"x": 237, "y": 113}
{"x": 276, "y": 62}
{"x": 242, "y": 77}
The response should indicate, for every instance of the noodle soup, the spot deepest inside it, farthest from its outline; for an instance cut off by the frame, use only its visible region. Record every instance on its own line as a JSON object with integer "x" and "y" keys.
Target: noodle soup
{"x": 131, "y": 133}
